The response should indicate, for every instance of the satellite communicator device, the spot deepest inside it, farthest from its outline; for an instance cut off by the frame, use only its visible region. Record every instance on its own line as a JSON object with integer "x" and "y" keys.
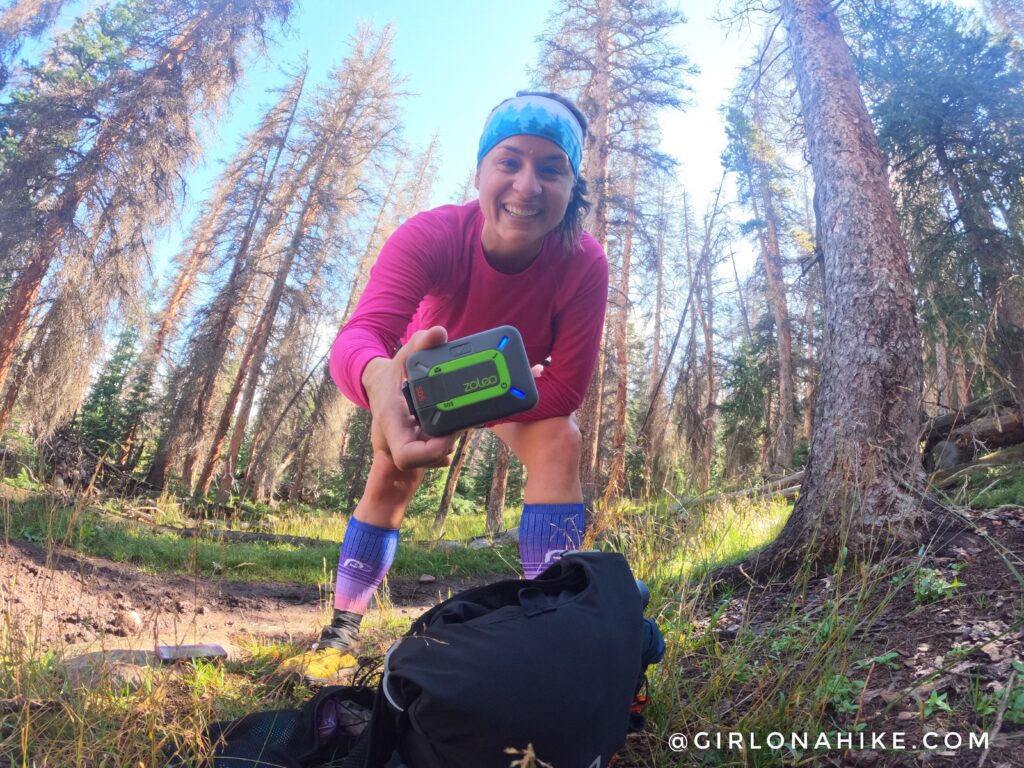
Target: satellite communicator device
{"x": 470, "y": 381}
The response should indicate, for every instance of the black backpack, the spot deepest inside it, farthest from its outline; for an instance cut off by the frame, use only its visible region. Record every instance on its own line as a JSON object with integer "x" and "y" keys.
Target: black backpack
{"x": 550, "y": 664}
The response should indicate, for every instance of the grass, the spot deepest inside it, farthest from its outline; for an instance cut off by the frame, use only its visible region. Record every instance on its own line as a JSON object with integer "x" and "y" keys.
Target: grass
{"x": 85, "y": 530}
{"x": 804, "y": 668}
{"x": 318, "y": 524}
{"x": 1000, "y": 489}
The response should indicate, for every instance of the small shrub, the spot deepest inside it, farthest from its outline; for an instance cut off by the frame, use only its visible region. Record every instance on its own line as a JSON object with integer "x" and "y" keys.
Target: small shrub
{"x": 1009, "y": 491}
{"x": 935, "y": 703}
{"x": 24, "y": 480}
{"x": 931, "y": 586}
{"x": 842, "y": 692}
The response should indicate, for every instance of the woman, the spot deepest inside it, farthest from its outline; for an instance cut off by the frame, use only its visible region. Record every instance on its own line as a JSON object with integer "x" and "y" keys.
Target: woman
{"x": 517, "y": 256}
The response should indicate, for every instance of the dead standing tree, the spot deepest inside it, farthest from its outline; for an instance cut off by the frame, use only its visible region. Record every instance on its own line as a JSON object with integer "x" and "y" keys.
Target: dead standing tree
{"x": 22, "y": 20}
{"x": 863, "y": 481}
{"x": 327, "y": 421}
{"x": 350, "y": 123}
{"x": 244, "y": 228}
{"x": 140, "y": 135}
{"x": 616, "y": 58}
{"x": 210, "y": 229}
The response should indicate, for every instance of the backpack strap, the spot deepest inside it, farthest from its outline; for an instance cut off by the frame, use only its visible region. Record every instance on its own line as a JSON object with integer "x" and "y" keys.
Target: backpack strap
{"x": 377, "y": 746}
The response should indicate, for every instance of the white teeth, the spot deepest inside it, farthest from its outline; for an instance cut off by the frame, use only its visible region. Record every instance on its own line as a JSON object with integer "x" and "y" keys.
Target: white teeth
{"x": 525, "y": 212}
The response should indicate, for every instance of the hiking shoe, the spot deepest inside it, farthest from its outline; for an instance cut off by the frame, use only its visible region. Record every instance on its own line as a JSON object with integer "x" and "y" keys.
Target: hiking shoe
{"x": 331, "y": 654}
{"x": 321, "y": 665}
{"x": 342, "y": 632}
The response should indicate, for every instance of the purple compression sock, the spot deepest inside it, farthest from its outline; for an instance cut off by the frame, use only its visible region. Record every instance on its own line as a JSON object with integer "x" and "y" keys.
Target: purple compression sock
{"x": 545, "y": 532}
{"x": 367, "y": 552}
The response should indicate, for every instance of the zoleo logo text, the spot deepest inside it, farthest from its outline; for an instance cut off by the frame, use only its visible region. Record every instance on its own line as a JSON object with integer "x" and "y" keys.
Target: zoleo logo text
{"x": 484, "y": 381}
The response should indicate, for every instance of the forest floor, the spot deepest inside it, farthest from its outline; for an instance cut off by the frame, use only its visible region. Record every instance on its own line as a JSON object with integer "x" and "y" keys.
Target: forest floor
{"x": 93, "y": 612}
{"x": 64, "y": 601}
{"x": 927, "y": 667}
{"x": 925, "y": 645}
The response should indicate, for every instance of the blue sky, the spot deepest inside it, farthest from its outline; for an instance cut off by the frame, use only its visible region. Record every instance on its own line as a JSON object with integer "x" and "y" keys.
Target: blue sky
{"x": 460, "y": 59}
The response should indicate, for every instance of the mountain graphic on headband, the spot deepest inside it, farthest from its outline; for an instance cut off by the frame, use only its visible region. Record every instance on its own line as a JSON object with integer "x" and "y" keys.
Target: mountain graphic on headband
{"x": 536, "y": 116}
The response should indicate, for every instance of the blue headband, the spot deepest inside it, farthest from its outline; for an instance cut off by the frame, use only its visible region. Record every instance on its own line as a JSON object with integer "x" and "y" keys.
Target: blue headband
{"x": 536, "y": 116}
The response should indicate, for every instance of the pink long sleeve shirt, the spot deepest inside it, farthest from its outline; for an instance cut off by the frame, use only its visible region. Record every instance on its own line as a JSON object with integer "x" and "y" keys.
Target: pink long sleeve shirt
{"x": 432, "y": 271}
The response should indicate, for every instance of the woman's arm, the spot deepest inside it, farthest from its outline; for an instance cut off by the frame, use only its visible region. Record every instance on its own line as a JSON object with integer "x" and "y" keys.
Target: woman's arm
{"x": 367, "y": 364}
{"x": 409, "y": 266}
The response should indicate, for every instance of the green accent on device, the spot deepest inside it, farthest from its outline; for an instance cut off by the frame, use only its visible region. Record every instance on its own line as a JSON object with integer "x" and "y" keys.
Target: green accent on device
{"x": 470, "y": 381}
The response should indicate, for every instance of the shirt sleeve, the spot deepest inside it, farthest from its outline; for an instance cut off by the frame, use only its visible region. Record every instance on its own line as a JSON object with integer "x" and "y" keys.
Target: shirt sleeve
{"x": 577, "y": 339}
{"x": 410, "y": 264}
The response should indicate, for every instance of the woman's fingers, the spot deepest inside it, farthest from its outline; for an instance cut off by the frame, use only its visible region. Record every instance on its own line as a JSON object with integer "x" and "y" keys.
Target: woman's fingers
{"x": 418, "y": 453}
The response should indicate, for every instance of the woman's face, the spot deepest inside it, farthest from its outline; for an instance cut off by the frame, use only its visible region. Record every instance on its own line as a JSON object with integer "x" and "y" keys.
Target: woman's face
{"x": 525, "y": 185}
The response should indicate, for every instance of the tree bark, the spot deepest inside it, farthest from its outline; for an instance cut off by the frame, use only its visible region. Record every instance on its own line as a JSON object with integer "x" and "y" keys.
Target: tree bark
{"x": 809, "y": 353}
{"x": 452, "y": 480}
{"x": 499, "y": 484}
{"x": 588, "y": 416}
{"x": 620, "y": 317}
{"x": 863, "y": 484}
{"x": 14, "y": 384}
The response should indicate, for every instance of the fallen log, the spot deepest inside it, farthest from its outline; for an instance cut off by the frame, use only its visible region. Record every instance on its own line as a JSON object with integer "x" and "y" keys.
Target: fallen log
{"x": 1003, "y": 427}
{"x": 787, "y": 487}
{"x": 1005, "y": 457}
{"x": 937, "y": 428}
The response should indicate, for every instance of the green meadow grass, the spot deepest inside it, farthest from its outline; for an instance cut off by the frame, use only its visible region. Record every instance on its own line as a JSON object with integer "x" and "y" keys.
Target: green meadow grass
{"x": 803, "y": 668}
{"x": 318, "y": 524}
{"x": 39, "y": 520}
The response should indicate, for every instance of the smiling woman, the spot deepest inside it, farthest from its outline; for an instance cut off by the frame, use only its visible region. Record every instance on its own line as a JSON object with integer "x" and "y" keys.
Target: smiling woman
{"x": 517, "y": 256}
{"x": 525, "y": 117}
{"x": 525, "y": 184}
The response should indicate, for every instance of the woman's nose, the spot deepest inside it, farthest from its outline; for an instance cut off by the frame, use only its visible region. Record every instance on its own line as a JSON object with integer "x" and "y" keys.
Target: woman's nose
{"x": 527, "y": 182}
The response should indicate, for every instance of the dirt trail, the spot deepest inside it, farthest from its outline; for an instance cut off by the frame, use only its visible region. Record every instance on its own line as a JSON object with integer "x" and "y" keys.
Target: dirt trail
{"x": 76, "y": 604}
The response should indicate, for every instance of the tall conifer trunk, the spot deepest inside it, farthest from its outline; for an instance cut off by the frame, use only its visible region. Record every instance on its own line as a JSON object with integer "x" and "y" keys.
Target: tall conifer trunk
{"x": 863, "y": 483}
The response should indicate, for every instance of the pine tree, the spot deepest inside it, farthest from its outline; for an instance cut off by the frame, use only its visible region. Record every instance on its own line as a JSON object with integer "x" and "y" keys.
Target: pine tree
{"x": 755, "y": 162}
{"x": 615, "y": 58}
{"x": 946, "y": 97}
{"x": 102, "y": 133}
{"x": 407, "y": 192}
{"x": 263, "y": 148}
{"x": 103, "y": 412}
{"x": 862, "y": 485}
{"x": 350, "y": 123}
{"x": 239, "y": 231}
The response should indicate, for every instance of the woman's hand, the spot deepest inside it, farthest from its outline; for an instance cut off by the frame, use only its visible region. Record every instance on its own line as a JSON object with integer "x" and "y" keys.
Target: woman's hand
{"x": 394, "y": 430}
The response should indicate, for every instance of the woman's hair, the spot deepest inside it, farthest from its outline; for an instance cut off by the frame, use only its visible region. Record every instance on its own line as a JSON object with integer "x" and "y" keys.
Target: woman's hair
{"x": 572, "y": 223}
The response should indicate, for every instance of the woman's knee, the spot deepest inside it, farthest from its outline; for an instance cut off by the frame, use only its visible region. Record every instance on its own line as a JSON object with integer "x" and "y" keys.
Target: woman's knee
{"x": 570, "y": 438}
{"x": 386, "y": 482}
{"x": 555, "y": 442}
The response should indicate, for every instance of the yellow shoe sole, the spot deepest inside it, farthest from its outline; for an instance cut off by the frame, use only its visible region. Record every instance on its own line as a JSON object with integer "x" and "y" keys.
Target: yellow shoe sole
{"x": 321, "y": 665}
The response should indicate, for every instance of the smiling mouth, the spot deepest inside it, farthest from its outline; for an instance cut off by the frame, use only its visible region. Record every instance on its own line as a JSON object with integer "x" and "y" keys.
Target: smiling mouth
{"x": 520, "y": 212}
